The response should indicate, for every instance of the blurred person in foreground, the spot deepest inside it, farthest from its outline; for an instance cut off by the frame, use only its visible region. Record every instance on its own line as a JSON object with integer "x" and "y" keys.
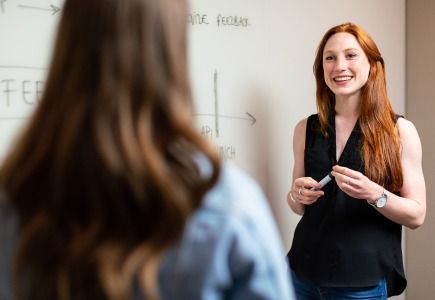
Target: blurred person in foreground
{"x": 110, "y": 192}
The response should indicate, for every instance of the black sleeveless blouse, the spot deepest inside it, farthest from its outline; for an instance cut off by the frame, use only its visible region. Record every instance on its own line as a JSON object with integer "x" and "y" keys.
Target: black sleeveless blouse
{"x": 341, "y": 241}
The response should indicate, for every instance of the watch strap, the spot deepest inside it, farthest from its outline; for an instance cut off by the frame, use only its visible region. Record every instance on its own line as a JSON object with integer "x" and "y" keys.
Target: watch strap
{"x": 376, "y": 203}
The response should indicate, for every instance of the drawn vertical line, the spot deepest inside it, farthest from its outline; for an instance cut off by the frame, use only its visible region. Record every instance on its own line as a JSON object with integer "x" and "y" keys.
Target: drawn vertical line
{"x": 216, "y": 103}
{"x": 2, "y": 7}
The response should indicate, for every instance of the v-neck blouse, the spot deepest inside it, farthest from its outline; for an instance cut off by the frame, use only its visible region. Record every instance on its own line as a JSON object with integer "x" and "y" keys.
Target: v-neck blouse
{"x": 341, "y": 241}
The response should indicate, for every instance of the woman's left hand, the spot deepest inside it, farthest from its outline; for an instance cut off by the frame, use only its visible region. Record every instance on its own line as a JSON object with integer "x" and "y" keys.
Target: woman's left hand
{"x": 356, "y": 184}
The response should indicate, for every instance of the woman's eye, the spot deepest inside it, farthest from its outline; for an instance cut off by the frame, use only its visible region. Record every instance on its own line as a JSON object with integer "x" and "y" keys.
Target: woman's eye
{"x": 329, "y": 58}
{"x": 352, "y": 55}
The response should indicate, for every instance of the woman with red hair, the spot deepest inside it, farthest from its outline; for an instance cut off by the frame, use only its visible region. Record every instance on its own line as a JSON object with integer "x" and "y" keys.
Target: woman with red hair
{"x": 348, "y": 241}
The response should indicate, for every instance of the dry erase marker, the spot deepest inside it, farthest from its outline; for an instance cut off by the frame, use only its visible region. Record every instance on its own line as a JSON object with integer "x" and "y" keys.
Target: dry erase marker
{"x": 323, "y": 182}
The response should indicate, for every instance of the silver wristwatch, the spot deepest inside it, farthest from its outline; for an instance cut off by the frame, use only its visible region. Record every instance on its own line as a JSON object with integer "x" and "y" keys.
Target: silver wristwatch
{"x": 380, "y": 202}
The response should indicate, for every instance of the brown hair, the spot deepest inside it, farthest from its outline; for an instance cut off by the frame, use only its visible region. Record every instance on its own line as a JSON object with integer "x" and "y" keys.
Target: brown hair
{"x": 381, "y": 143}
{"x": 106, "y": 172}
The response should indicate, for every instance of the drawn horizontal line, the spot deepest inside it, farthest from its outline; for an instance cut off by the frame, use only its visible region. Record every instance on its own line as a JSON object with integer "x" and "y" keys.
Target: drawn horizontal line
{"x": 21, "y": 67}
{"x": 52, "y": 8}
{"x": 248, "y": 118}
{"x": 222, "y": 116}
{"x": 32, "y": 7}
{"x": 12, "y": 118}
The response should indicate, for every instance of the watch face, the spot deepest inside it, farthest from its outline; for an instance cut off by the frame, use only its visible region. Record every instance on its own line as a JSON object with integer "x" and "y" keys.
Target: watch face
{"x": 381, "y": 201}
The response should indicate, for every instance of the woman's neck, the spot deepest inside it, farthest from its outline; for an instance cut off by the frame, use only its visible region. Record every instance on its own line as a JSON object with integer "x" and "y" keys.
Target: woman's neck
{"x": 347, "y": 106}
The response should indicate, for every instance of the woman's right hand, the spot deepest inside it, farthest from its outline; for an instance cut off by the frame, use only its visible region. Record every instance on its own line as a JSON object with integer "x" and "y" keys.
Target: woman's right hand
{"x": 305, "y": 190}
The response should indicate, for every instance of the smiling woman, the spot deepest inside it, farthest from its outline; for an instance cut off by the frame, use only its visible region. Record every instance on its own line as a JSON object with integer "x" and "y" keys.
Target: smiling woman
{"x": 375, "y": 157}
{"x": 346, "y": 67}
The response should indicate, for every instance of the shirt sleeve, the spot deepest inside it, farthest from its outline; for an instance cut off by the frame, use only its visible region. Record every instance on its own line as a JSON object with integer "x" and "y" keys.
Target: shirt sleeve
{"x": 256, "y": 257}
{"x": 230, "y": 250}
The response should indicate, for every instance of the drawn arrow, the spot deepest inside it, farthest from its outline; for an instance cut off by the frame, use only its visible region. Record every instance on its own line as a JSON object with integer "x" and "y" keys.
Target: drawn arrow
{"x": 253, "y": 119}
{"x": 248, "y": 117}
{"x": 54, "y": 9}
{"x": 216, "y": 114}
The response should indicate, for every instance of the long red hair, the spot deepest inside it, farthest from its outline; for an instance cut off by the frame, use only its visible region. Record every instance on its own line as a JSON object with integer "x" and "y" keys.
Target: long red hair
{"x": 381, "y": 142}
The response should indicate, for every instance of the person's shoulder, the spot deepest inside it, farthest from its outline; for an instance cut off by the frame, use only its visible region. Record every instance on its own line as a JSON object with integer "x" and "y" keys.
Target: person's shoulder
{"x": 405, "y": 124}
{"x": 300, "y": 129}
{"x": 406, "y": 128}
{"x": 409, "y": 136}
{"x": 308, "y": 121}
{"x": 234, "y": 205}
{"x": 234, "y": 223}
{"x": 233, "y": 179}
{"x": 235, "y": 193}
{"x": 301, "y": 124}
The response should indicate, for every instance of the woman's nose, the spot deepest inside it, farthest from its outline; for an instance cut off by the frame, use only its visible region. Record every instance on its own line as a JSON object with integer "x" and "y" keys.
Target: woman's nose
{"x": 340, "y": 63}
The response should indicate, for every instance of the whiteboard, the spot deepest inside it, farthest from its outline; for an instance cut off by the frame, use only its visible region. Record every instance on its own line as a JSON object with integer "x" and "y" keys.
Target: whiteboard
{"x": 251, "y": 71}
{"x": 264, "y": 70}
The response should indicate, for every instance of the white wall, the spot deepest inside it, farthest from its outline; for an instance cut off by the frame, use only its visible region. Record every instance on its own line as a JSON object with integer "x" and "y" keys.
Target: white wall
{"x": 420, "y": 108}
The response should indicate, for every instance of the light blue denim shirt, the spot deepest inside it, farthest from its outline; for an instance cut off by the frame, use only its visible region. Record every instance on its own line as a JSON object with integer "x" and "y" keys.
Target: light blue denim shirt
{"x": 230, "y": 248}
